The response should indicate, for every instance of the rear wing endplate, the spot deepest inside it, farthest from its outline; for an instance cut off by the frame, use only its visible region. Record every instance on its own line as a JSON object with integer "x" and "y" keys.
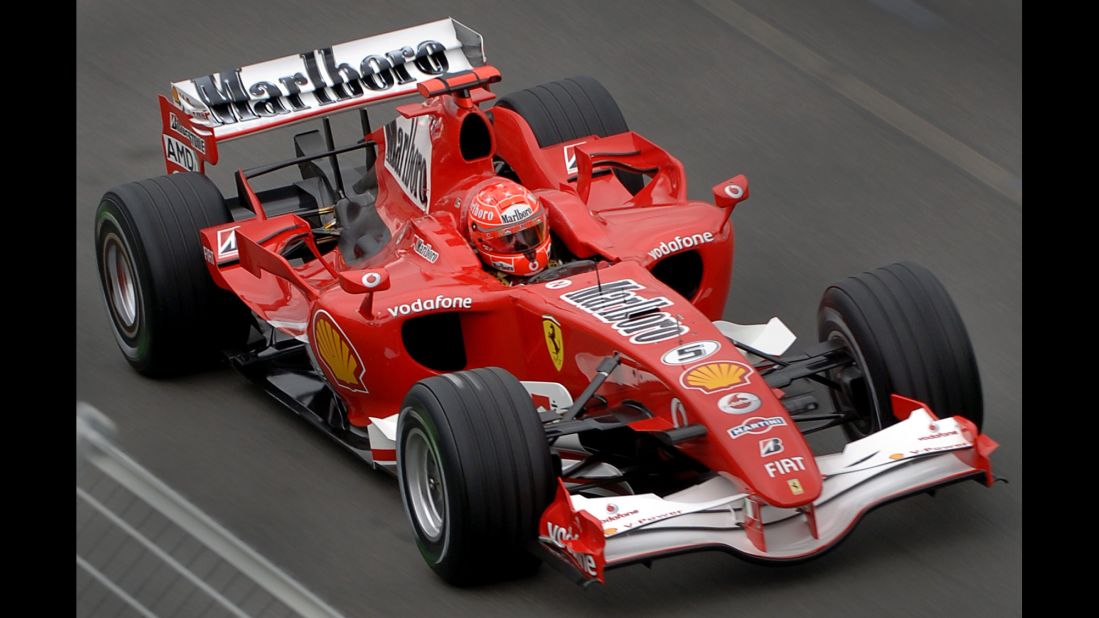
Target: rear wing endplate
{"x": 213, "y": 108}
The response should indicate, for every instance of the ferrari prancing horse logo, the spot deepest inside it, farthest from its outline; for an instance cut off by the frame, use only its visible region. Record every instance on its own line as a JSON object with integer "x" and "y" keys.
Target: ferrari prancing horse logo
{"x": 555, "y": 343}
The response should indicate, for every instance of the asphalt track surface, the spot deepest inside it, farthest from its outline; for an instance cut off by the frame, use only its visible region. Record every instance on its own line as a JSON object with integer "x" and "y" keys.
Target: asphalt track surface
{"x": 871, "y": 131}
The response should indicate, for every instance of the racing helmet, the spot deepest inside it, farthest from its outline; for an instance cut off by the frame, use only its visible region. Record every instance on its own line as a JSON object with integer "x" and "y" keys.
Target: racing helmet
{"x": 508, "y": 228}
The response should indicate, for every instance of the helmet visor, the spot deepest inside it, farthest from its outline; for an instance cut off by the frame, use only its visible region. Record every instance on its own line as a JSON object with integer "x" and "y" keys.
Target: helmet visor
{"x": 518, "y": 241}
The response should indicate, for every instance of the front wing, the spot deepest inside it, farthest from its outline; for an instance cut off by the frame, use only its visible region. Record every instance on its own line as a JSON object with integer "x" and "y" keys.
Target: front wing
{"x": 915, "y": 455}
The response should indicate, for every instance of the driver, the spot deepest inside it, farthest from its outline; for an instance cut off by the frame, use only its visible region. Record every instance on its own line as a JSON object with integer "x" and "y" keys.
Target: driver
{"x": 508, "y": 229}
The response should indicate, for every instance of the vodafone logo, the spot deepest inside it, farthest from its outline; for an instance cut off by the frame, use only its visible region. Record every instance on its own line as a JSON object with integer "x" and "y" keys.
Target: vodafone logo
{"x": 430, "y": 304}
{"x": 679, "y": 243}
{"x": 371, "y": 280}
{"x": 562, "y": 537}
{"x": 941, "y": 434}
{"x": 559, "y": 534}
{"x": 614, "y": 513}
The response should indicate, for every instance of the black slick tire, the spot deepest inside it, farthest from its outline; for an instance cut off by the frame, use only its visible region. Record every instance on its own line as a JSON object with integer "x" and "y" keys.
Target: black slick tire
{"x": 907, "y": 337}
{"x": 167, "y": 314}
{"x": 475, "y": 474}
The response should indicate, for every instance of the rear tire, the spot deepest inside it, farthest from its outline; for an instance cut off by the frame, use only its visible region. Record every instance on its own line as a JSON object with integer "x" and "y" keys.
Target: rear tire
{"x": 168, "y": 315}
{"x": 905, "y": 333}
{"x": 568, "y": 109}
{"x": 475, "y": 474}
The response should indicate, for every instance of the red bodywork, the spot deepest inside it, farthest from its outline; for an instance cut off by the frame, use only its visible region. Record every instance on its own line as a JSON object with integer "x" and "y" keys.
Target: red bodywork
{"x": 356, "y": 334}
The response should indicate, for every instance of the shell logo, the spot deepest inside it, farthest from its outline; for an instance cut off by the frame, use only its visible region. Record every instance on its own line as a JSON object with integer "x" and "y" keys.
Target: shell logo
{"x": 716, "y": 376}
{"x": 336, "y": 353}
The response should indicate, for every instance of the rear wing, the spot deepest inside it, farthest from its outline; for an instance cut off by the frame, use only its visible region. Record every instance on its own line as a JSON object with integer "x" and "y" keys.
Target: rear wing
{"x": 233, "y": 103}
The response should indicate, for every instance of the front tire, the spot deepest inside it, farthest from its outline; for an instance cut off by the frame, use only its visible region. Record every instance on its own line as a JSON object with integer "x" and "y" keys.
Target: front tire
{"x": 475, "y": 474}
{"x": 907, "y": 337}
{"x": 168, "y": 315}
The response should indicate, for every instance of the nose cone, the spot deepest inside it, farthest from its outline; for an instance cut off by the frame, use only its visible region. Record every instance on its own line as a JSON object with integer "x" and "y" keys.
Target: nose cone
{"x": 774, "y": 459}
{"x": 749, "y": 432}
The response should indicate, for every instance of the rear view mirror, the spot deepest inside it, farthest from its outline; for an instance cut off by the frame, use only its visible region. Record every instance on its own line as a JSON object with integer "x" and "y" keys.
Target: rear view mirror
{"x": 365, "y": 282}
{"x": 729, "y": 193}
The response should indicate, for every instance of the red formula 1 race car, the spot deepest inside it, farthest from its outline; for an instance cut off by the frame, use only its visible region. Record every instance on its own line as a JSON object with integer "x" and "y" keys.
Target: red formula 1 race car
{"x": 583, "y": 404}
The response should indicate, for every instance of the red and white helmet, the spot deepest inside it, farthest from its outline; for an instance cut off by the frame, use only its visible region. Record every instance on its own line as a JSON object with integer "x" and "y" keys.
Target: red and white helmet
{"x": 508, "y": 228}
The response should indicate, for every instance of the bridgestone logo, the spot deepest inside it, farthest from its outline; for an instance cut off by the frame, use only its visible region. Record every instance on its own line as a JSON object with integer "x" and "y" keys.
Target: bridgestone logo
{"x": 679, "y": 243}
{"x": 616, "y": 301}
{"x": 408, "y": 157}
{"x": 196, "y": 142}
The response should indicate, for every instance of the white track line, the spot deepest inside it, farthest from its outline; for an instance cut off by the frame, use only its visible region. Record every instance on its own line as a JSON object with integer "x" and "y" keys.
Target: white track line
{"x": 109, "y": 585}
{"x": 160, "y": 553}
{"x": 122, "y": 469}
{"x": 866, "y": 97}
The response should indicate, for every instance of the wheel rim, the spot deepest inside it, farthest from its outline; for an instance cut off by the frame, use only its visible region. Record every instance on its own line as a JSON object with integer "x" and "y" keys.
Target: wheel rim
{"x": 426, "y": 485}
{"x": 123, "y": 292}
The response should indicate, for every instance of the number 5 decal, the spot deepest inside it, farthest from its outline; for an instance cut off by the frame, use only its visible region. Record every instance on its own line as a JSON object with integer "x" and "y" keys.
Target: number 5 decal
{"x": 690, "y": 352}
